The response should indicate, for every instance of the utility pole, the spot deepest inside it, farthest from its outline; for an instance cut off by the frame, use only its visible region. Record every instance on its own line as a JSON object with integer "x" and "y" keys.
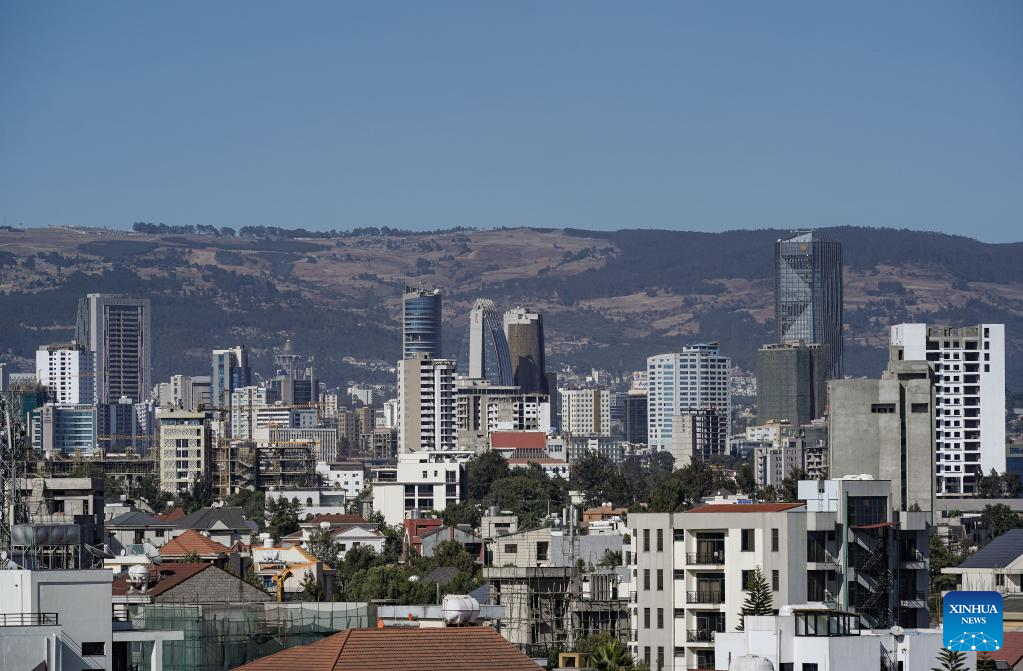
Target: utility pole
{"x": 11, "y": 441}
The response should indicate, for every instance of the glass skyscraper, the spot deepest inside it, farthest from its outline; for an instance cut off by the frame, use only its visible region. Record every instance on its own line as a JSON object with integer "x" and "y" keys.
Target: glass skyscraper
{"x": 484, "y": 352}
{"x": 808, "y": 293}
{"x": 421, "y": 322}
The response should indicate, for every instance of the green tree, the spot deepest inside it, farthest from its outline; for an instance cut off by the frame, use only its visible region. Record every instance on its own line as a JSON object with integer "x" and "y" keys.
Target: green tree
{"x": 324, "y": 547}
{"x": 999, "y": 518}
{"x": 530, "y": 494}
{"x": 199, "y": 495}
{"x": 191, "y": 558}
{"x": 252, "y": 578}
{"x": 745, "y": 481}
{"x": 463, "y": 512}
{"x": 148, "y": 488}
{"x": 611, "y": 559}
{"x": 790, "y": 484}
{"x": 281, "y": 517}
{"x": 759, "y": 599}
{"x": 950, "y": 660}
{"x": 252, "y": 503}
{"x": 311, "y": 588}
{"x": 686, "y": 486}
{"x": 612, "y": 655}
{"x": 985, "y": 663}
{"x": 483, "y": 471}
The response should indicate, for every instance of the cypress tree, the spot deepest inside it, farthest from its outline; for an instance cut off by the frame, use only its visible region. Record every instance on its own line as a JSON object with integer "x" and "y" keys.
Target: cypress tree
{"x": 759, "y": 599}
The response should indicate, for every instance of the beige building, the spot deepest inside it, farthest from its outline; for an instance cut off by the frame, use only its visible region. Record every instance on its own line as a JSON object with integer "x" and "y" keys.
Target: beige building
{"x": 586, "y": 412}
{"x": 426, "y": 394}
{"x": 186, "y": 451}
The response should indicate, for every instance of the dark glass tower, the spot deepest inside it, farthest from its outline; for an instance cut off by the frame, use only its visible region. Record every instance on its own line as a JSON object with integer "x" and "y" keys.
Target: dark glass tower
{"x": 808, "y": 293}
{"x": 484, "y": 352}
{"x": 421, "y": 322}
{"x": 524, "y": 331}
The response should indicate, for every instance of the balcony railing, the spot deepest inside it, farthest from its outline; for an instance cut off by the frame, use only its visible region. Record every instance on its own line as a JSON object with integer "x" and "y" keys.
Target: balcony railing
{"x": 705, "y": 596}
{"x": 700, "y": 635}
{"x": 27, "y": 619}
{"x": 705, "y": 557}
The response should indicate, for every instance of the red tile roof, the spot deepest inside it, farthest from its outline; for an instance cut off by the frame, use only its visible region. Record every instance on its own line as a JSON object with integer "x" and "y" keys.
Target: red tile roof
{"x": 400, "y": 649}
{"x": 746, "y": 508}
{"x": 1012, "y": 648}
{"x": 172, "y": 515}
{"x": 171, "y": 575}
{"x": 193, "y": 541}
{"x": 516, "y": 439}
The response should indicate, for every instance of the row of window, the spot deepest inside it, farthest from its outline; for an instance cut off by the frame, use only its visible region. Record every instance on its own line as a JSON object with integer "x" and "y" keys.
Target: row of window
{"x": 747, "y": 540}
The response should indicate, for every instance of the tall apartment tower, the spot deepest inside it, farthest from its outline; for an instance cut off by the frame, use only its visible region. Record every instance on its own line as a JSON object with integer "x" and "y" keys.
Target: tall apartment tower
{"x": 635, "y": 416}
{"x": 697, "y": 378}
{"x": 885, "y": 428}
{"x": 230, "y": 371}
{"x": 969, "y": 420}
{"x": 808, "y": 293}
{"x": 421, "y": 322}
{"x": 426, "y": 398}
{"x": 792, "y": 382}
{"x": 118, "y": 329}
{"x": 524, "y": 332}
{"x": 186, "y": 448}
{"x": 586, "y": 412}
{"x": 484, "y": 354}
{"x": 68, "y": 371}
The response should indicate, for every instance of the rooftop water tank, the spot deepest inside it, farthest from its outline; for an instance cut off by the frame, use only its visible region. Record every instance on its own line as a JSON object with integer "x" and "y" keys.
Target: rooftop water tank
{"x": 460, "y": 609}
{"x": 751, "y": 663}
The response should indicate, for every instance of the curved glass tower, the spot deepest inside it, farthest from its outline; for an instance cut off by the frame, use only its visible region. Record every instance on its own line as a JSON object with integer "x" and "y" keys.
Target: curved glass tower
{"x": 484, "y": 352}
{"x": 421, "y": 322}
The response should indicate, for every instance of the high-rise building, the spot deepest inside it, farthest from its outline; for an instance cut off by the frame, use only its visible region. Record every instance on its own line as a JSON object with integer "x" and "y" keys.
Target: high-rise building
{"x": 484, "y": 354}
{"x": 482, "y": 408}
{"x": 230, "y": 371}
{"x": 699, "y": 434}
{"x": 885, "y": 428}
{"x": 635, "y": 416}
{"x": 969, "y": 412}
{"x": 524, "y": 331}
{"x": 586, "y": 412}
{"x": 792, "y": 382}
{"x": 426, "y": 396}
{"x": 68, "y": 371}
{"x": 186, "y": 448}
{"x": 697, "y": 378}
{"x": 118, "y": 329}
{"x": 64, "y": 429}
{"x": 808, "y": 293}
{"x": 421, "y": 322}
{"x": 245, "y": 401}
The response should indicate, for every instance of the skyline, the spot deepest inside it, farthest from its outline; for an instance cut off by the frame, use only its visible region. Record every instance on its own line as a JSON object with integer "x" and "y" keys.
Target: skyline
{"x": 681, "y": 117}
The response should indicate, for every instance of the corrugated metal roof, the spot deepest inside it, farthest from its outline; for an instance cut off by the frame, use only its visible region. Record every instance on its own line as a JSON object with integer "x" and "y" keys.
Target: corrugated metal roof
{"x": 999, "y": 553}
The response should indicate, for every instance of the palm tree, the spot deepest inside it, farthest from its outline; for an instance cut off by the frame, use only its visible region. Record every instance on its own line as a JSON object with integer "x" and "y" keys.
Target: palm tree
{"x": 612, "y": 656}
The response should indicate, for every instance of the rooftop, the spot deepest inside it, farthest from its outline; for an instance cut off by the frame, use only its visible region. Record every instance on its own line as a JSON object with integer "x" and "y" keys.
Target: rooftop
{"x": 170, "y": 575}
{"x": 172, "y": 515}
{"x": 193, "y": 542}
{"x": 216, "y": 518}
{"x": 746, "y": 508}
{"x": 400, "y": 649}
{"x": 999, "y": 553}
{"x": 513, "y": 439}
{"x": 137, "y": 518}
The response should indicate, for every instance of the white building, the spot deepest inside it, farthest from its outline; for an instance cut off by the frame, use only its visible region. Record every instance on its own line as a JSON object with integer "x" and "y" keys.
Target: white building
{"x": 285, "y": 417}
{"x": 586, "y": 412}
{"x": 346, "y": 477}
{"x": 697, "y": 378}
{"x": 363, "y": 395}
{"x": 186, "y": 449}
{"x": 245, "y": 401}
{"x": 389, "y": 415}
{"x": 426, "y": 396}
{"x": 970, "y": 398}
{"x": 420, "y": 481}
{"x": 68, "y": 371}
{"x": 314, "y": 501}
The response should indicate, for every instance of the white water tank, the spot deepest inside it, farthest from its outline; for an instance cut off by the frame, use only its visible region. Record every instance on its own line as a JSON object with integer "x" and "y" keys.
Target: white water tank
{"x": 751, "y": 663}
{"x": 460, "y": 609}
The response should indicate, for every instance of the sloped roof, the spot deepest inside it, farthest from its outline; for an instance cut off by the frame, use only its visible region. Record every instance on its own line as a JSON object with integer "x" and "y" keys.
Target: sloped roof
{"x": 441, "y": 575}
{"x": 999, "y": 553}
{"x": 208, "y": 518}
{"x": 514, "y": 439}
{"x": 172, "y": 515}
{"x": 746, "y": 508}
{"x": 193, "y": 541}
{"x": 1011, "y": 650}
{"x": 170, "y": 575}
{"x": 400, "y": 649}
{"x": 137, "y": 518}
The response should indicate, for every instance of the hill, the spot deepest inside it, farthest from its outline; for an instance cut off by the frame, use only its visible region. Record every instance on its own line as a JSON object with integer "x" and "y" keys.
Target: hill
{"x": 609, "y": 298}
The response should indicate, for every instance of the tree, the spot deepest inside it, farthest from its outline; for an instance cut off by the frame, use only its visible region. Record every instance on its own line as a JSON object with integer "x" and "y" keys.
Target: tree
{"x": 611, "y": 559}
{"x": 999, "y": 518}
{"x": 985, "y": 663}
{"x": 191, "y": 558}
{"x": 199, "y": 495}
{"x": 324, "y": 547}
{"x": 253, "y": 579}
{"x": 745, "y": 481}
{"x": 148, "y": 488}
{"x": 463, "y": 512}
{"x": 759, "y": 599}
{"x": 252, "y": 503}
{"x": 281, "y": 517}
{"x": 311, "y": 588}
{"x": 950, "y": 660}
{"x": 612, "y": 655}
{"x": 483, "y": 471}
{"x": 790, "y": 484}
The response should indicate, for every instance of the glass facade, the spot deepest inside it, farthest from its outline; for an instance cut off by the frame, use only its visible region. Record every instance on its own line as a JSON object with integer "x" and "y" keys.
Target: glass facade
{"x": 484, "y": 352}
{"x": 421, "y": 322}
{"x": 808, "y": 293}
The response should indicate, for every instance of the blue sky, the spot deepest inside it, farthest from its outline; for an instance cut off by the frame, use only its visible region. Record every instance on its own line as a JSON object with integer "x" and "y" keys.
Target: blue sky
{"x": 683, "y": 115}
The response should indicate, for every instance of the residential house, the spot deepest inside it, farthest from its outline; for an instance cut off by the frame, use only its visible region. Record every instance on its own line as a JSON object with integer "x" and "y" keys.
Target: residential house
{"x": 195, "y": 544}
{"x": 135, "y": 528}
{"x": 997, "y": 567}
{"x": 192, "y": 584}
{"x": 225, "y": 525}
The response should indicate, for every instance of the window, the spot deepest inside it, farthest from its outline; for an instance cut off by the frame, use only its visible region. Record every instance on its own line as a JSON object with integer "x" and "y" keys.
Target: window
{"x": 919, "y": 407}
{"x": 660, "y": 540}
{"x": 646, "y": 579}
{"x": 748, "y": 540}
{"x": 660, "y": 656}
{"x": 646, "y": 618}
{"x": 679, "y": 534}
{"x": 775, "y": 581}
{"x": 774, "y": 540}
{"x": 882, "y": 408}
{"x": 660, "y": 618}
{"x": 660, "y": 579}
{"x": 646, "y": 540}
{"x": 511, "y": 548}
{"x": 809, "y": 666}
{"x": 93, "y": 649}
{"x": 541, "y": 550}
{"x": 747, "y": 577}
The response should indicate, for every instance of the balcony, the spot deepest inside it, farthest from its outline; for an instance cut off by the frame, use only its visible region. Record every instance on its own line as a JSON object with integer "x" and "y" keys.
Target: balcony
{"x": 713, "y": 597}
{"x": 700, "y": 635}
{"x": 712, "y": 558}
{"x": 27, "y": 619}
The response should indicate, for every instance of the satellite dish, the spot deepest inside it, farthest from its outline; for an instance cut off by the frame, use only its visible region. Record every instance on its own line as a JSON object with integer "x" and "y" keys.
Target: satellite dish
{"x": 3, "y": 555}
{"x": 100, "y": 551}
{"x": 897, "y": 631}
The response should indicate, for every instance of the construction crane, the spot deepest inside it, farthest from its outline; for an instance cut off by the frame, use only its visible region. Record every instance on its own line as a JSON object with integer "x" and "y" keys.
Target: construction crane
{"x": 279, "y": 580}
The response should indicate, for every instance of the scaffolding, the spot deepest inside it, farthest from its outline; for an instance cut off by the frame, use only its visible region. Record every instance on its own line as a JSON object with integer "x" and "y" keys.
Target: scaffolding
{"x": 224, "y": 636}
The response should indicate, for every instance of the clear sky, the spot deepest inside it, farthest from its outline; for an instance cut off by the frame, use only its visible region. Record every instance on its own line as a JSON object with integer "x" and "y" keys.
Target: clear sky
{"x": 684, "y": 115}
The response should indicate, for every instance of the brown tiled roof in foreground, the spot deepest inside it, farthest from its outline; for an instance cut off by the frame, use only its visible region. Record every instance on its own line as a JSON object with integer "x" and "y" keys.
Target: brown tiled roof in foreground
{"x": 746, "y": 508}
{"x": 171, "y": 575}
{"x": 401, "y": 649}
{"x": 193, "y": 541}
{"x": 173, "y": 515}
